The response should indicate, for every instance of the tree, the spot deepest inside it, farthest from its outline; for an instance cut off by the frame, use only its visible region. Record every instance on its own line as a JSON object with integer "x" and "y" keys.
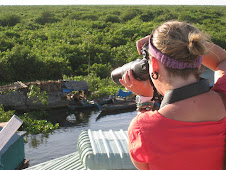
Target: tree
{"x": 101, "y": 70}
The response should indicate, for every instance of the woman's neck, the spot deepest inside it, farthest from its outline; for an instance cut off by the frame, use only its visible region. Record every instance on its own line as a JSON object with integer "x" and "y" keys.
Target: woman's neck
{"x": 177, "y": 82}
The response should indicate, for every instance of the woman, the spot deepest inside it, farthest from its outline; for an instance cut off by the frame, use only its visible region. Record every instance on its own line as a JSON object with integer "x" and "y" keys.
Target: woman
{"x": 187, "y": 133}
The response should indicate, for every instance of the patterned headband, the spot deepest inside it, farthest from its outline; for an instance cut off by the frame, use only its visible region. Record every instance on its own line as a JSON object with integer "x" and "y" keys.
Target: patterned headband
{"x": 170, "y": 62}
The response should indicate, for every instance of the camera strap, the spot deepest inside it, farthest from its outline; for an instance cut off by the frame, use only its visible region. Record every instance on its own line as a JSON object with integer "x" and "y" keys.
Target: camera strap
{"x": 185, "y": 92}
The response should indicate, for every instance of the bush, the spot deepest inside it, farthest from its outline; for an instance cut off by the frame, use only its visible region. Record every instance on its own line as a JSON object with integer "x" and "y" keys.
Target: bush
{"x": 112, "y": 18}
{"x": 5, "y": 45}
{"x": 19, "y": 64}
{"x": 92, "y": 17}
{"x": 30, "y": 123}
{"x": 54, "y": 68}
{"x": 101, "y": 70}
{"x": 146, "y": 17}
{"x": 74, "y": 16}
{"x": 9, "y": 20}
{"x": 46, "y": 17}
{"x": 32, "y": 26}
{"x": 12, "y": 34}
{"x": 130, "y": 14}
{"x": 33, "y": 125}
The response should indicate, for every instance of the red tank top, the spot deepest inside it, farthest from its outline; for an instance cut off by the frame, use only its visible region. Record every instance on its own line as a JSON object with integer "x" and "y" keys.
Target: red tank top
{"x": 167, "y": 144}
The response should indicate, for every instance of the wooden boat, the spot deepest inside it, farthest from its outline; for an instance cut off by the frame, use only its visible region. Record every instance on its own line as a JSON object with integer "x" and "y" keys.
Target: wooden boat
{"x": 117, "y": 107}
{"x": 90, "y": 104}
{"x": 84, "y": 106}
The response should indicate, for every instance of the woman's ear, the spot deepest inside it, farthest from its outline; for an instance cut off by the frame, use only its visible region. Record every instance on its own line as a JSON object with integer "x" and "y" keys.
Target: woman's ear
{"x": 154, "y": 64}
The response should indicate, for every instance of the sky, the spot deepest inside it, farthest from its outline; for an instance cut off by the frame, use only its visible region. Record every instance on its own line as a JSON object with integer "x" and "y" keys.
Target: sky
{"x": 113, "y": 2}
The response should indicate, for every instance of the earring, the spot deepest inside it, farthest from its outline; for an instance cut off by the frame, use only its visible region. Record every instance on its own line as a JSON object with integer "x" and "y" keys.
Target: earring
{"x": 155, "y": 75}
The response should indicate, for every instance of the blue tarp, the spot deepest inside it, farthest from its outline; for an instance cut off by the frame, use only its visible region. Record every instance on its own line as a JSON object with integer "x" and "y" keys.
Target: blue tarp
{"x": 67, "y": 90}
{"x": 122, "y": 93}
{"x": 70, "y": 90}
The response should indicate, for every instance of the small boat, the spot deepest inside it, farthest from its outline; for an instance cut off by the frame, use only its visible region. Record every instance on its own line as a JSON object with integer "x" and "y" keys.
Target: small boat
{"x": 84, "y": 106}
{"x": 117, "y": 107}
{"x": 90, "y": 104}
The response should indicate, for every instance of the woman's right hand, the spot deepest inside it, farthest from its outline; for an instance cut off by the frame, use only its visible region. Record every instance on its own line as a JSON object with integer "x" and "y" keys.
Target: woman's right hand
{"x": 142, "y": 88}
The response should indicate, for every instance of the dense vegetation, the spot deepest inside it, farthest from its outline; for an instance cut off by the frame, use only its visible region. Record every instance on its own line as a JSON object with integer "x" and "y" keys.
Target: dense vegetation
{"x": 47, "y": 42}
{"x": 33, "y": 122}
{"x": 84, "y": 43}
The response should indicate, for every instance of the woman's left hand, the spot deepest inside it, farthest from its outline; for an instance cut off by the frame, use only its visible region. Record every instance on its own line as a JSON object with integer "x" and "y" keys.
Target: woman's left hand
{"x": 142, "y": 88}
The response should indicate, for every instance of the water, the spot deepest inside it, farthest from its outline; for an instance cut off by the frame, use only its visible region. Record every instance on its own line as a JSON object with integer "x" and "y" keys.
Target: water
{"x": 41, "y": 148}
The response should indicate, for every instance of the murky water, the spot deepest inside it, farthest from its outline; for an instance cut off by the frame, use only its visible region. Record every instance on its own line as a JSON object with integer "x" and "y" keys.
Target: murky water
{"x": 41, "y": 148}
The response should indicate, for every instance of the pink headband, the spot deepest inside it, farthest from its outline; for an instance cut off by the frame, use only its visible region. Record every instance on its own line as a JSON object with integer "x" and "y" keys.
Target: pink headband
{"x": 170, "y": 62}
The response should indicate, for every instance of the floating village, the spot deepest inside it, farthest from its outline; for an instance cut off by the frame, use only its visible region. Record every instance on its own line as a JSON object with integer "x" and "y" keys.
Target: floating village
{"x": 95, "y": 150}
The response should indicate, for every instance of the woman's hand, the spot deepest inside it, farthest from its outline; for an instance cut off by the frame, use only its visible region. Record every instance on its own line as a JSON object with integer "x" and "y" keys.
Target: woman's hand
{"x": 143, "y": 88}
{"x": 141, "y": 42}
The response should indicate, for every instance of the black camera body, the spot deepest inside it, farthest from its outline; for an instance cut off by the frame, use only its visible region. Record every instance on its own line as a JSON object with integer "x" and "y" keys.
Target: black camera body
{"x": 139, "y": 67}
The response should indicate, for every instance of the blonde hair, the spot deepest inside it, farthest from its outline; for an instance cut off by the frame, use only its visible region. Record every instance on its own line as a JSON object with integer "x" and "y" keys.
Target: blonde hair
{"x": 180, "y": 41}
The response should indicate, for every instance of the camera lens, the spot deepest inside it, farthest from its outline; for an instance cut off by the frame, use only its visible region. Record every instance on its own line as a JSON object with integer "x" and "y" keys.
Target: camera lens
{"x": 140, "y": 68}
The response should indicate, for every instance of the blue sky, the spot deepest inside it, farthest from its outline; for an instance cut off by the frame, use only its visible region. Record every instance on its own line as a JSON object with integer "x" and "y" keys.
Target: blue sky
{"x": 113, "y": 2}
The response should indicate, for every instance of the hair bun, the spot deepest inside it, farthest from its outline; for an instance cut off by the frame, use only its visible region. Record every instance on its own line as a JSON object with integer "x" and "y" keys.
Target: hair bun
{"x": 195, "y": 44}
{"x": 180, "y": 41}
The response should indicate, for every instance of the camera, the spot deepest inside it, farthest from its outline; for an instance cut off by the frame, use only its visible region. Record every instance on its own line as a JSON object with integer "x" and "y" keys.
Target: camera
{"x": 139, "y": 67}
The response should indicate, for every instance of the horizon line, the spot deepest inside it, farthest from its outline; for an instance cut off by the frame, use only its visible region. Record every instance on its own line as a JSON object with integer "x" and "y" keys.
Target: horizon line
{"x": 112, "y": 4}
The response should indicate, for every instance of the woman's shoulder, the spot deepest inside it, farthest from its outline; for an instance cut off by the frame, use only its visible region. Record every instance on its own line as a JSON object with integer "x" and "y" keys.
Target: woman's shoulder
{"x": 147, "y": 116}
{"x": 205, "y": 107}
{"x": 144, "y": 118}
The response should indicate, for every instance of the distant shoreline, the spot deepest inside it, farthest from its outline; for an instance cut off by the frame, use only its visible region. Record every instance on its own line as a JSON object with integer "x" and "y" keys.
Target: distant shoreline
{"x": 201, "y": 5}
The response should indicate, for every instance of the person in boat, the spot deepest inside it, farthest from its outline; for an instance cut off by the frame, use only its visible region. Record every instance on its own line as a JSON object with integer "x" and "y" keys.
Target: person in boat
{"x": 79, "y": 98}
{"x": 189, "y": 133}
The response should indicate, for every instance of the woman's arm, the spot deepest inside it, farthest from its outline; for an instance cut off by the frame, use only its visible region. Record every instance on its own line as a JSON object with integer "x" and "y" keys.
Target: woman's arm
{"x": 215, "y": 59}
{"x": 214, "y": 56}
{"x": 138, "y": 165}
